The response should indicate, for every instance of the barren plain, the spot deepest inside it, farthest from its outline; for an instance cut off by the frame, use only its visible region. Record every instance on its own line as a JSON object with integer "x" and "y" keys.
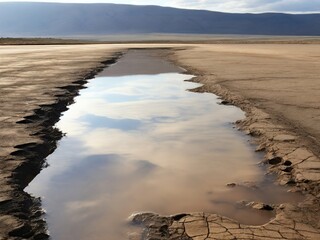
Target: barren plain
{"x": 277, "y": 85}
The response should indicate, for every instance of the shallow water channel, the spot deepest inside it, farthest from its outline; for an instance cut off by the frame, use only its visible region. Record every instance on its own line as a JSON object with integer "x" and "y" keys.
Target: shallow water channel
{"x": 137, "y": 140}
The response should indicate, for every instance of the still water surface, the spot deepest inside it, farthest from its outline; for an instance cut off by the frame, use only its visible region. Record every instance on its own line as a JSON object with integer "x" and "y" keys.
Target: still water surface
{"x": 138, "y": 141}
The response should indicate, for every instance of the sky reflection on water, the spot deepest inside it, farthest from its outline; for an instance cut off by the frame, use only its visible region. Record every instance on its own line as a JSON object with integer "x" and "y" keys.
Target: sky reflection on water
{"x": 143, "y": 143}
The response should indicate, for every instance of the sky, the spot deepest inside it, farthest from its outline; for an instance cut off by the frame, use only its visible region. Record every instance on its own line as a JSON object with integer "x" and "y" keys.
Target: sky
{"x": 254, "y": 6}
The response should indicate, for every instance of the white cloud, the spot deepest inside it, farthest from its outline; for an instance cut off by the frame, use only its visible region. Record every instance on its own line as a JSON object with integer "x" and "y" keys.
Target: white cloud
{"x": 216, "y": 5}
{"x": 252, "y": 5}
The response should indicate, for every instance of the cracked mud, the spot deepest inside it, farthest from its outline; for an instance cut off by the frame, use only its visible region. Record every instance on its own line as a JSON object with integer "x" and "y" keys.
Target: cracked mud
{"x": 282, "y": 119}
{"x": 290, "y": 142}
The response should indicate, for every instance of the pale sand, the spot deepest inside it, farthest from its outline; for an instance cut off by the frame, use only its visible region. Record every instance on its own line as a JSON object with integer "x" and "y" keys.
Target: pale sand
{"x": 281, "y": 79}
{"x": 278, "y": 88}
{"x": 44, "y": 78}
{"x": 277, "y": 85}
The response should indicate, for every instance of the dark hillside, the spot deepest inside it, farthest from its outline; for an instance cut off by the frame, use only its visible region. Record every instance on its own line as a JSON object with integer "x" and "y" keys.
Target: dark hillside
{"x": 52, "y": 19}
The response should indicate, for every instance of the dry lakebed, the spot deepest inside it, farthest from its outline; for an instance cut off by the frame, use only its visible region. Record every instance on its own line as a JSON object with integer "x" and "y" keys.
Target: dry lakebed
{"x": 277, "y": 86}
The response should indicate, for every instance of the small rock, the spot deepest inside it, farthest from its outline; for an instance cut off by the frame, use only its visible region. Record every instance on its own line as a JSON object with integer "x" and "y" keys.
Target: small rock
{"x": 177, "y": 217}
{"x": 142, "y": 218}
{"x": 225, "y": 102}
{"x": 260, "y": 148}
{"x": 286, "y": 180}
{"x": 260, "y": 206}
{"x": 255, "y": 132}
{"x": 284, "y": 138}
{"x": 294, "y": 190}
{"x": 231, "y": 185}
{"x": 247, "y": 132}
{"x": 282, "y": 206}
{"x": 285, "y": 168}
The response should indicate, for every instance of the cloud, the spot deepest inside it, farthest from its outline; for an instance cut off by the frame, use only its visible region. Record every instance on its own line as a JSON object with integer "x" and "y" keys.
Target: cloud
{"x": 252, "y": 5}
{"x": 241, "y": 6}
{"x": 297, "y": 6}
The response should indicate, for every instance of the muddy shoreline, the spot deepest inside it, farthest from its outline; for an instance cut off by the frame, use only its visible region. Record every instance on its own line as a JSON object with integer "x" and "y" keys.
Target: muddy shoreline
{"x": 260, "y": 124}
{"x": 273, "y": 135}
{"x": 288, "y": 153}
{"x": 21, "y": 214}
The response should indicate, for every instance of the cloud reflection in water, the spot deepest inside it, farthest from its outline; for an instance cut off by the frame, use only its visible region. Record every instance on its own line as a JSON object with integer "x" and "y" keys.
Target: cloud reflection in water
{"x": 140, "y": 143}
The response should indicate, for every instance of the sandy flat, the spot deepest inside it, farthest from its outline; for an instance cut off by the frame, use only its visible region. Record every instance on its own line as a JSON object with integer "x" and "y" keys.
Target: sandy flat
{"x": 277, "y": 84}
{"x": 281, "y": 79}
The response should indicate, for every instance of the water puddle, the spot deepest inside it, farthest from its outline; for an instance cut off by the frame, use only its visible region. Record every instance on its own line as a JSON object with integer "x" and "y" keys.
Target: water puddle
{"x": 136, "y": 140}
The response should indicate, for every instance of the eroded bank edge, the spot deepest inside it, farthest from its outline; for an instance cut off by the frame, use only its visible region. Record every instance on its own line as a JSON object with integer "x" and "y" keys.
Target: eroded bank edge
{"x": 21, "y": 215}
{"x": 287, "y": 155}
{"x": 24, "y": 208}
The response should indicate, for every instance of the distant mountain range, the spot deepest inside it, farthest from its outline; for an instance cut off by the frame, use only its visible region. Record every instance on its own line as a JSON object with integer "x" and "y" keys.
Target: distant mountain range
{"x": 57, "y": 19}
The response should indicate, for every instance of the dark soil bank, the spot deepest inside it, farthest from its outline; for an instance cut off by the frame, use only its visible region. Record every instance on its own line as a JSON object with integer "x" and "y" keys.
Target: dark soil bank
{"x": 21, "y": 216}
